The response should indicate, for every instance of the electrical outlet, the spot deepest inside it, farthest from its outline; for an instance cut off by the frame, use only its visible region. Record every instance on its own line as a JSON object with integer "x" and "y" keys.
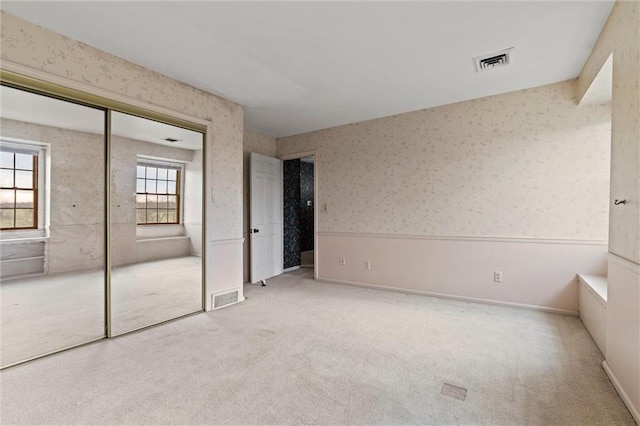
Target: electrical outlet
{"x": 497, "y": 276}
{"x": 367, "y": 264}
{"x": 342, "y": 261}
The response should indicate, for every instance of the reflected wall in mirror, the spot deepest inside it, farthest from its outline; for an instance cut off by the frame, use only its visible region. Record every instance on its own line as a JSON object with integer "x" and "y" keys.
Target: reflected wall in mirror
{"x": 52, "y": 257}
{"x": 156, "y": 222}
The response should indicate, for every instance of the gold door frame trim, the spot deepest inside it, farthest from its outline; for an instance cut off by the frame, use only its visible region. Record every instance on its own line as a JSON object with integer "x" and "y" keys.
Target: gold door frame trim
{"x": 79, "y": 95}
{"x": 107, "y": 223}
{"x": 29, "y": 79}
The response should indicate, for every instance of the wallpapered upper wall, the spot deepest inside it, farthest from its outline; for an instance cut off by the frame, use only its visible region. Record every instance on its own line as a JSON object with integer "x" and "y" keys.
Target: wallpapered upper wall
{"x": 30, "y": 45}
{"x": 527, "y": 164}
{"x": 621, "y": 35}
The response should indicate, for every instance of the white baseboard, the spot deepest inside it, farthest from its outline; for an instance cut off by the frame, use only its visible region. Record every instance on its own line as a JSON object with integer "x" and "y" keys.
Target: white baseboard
{"x": 293, "y": 268}
{"x": 625, "y": 398}
{"x": 454, "y": 297}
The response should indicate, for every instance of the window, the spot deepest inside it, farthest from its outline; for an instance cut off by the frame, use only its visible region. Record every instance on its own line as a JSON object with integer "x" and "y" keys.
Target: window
{"x": 18, "y": 188}
{"x": 157, "y": 194}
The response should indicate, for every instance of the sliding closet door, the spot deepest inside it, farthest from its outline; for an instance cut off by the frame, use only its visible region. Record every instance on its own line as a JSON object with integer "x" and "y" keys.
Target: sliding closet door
{"x": 52, "y": 215}
{"x": 156, "y": 222}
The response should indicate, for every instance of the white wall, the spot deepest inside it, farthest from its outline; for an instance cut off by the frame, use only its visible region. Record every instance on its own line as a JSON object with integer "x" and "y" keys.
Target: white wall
{"x": 42, "y": 51}
{"x": 516, "y": 182}
{"x": 620, "y": 36}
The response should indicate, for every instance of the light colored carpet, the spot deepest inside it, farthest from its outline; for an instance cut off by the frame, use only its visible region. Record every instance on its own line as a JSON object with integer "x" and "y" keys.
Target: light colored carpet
{"x": 306, "y": 352}
{"x": 51, "y": 312}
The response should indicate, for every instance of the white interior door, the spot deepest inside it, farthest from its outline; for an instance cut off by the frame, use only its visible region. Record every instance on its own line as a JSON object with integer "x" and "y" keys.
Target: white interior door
{"x": 265, "y": 227}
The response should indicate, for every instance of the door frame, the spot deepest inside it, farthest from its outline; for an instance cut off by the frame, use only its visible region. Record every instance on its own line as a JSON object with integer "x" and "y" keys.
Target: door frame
{"x": 296, "y": 156}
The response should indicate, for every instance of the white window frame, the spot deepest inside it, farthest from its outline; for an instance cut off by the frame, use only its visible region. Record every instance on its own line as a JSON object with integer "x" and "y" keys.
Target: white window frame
{"x": 172, "y": 163}
{"x": 44, "y": 187}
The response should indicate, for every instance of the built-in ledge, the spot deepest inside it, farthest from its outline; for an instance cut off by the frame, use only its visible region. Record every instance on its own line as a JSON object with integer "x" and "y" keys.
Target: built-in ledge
{"x": 595, "y": 283}
{"x": 593, "y": 307}
{"x": 162, "y": 248}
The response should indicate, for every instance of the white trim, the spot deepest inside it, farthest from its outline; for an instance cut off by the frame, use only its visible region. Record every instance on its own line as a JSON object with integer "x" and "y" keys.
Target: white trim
{"x": 623, "y": 395}
{"x": 597, "y": 285}
{"x": 161, "y": 239}
{"x": 625, "y": 263}
{"x": 454, "y": 297}
{"x": 25, "y": 239}
{"x": 43, "y": 152}
{"x": 296, "y": 155}
{"x": 162, "y": 160}
{"x": 167, "y": 164}
{"x": 464, "y": 238}
{"x": 225, "y": 242}
{"x": 293, "y": 268}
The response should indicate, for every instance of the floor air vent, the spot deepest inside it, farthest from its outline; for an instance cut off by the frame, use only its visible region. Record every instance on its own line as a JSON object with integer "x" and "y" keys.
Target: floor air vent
{"x": 455, "y": 392}
{"x": 225, "y": 299}
{"x": 493, "y": 60}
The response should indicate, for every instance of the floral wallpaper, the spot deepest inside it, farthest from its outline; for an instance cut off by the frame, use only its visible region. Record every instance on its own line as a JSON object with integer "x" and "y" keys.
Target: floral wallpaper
{"x": 526, "y": 164}
{"x": 621, "y": 35}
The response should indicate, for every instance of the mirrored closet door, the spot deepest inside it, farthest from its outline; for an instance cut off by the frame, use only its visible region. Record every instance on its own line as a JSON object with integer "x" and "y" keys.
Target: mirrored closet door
{"x": 156, "y": 222}
{"x": 69, "y": 276}
{"x": 52, "y": 237}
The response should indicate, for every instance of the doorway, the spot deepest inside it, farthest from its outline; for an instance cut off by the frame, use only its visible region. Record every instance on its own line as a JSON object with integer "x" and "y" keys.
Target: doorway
{"x": 299, "y": 213}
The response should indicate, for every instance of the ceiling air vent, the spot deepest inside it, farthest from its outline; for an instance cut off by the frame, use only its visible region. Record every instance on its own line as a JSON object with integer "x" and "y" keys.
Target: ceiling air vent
{"x": 493, "y": 60}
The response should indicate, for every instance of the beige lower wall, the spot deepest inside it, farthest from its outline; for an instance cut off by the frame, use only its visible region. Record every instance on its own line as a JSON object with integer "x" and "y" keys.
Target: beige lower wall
{"x": 223, "y": 258}
{"x": 623, "y": 329}
{"x": 535, "y": 273}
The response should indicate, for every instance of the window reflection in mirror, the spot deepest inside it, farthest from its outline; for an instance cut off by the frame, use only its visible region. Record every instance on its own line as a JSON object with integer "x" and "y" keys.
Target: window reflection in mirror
{"x": 52, "y": 220}
{"x": 156, "y": 222}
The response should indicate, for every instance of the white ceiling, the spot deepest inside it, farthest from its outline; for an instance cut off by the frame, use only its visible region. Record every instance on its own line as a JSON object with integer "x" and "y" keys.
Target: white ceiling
{"x": 302, "y": 66}
{"x": 31, "y": 108}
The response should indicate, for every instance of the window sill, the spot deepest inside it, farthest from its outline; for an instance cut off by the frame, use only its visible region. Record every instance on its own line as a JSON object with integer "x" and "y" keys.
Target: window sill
{"x": 23, "y": 235}
{"x": 150, "y": 232}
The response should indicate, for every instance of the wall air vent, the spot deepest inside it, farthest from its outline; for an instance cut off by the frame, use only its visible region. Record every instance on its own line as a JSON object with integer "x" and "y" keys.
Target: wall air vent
{"x": 493, "y": 60}
{"x": 224, "y": 299}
